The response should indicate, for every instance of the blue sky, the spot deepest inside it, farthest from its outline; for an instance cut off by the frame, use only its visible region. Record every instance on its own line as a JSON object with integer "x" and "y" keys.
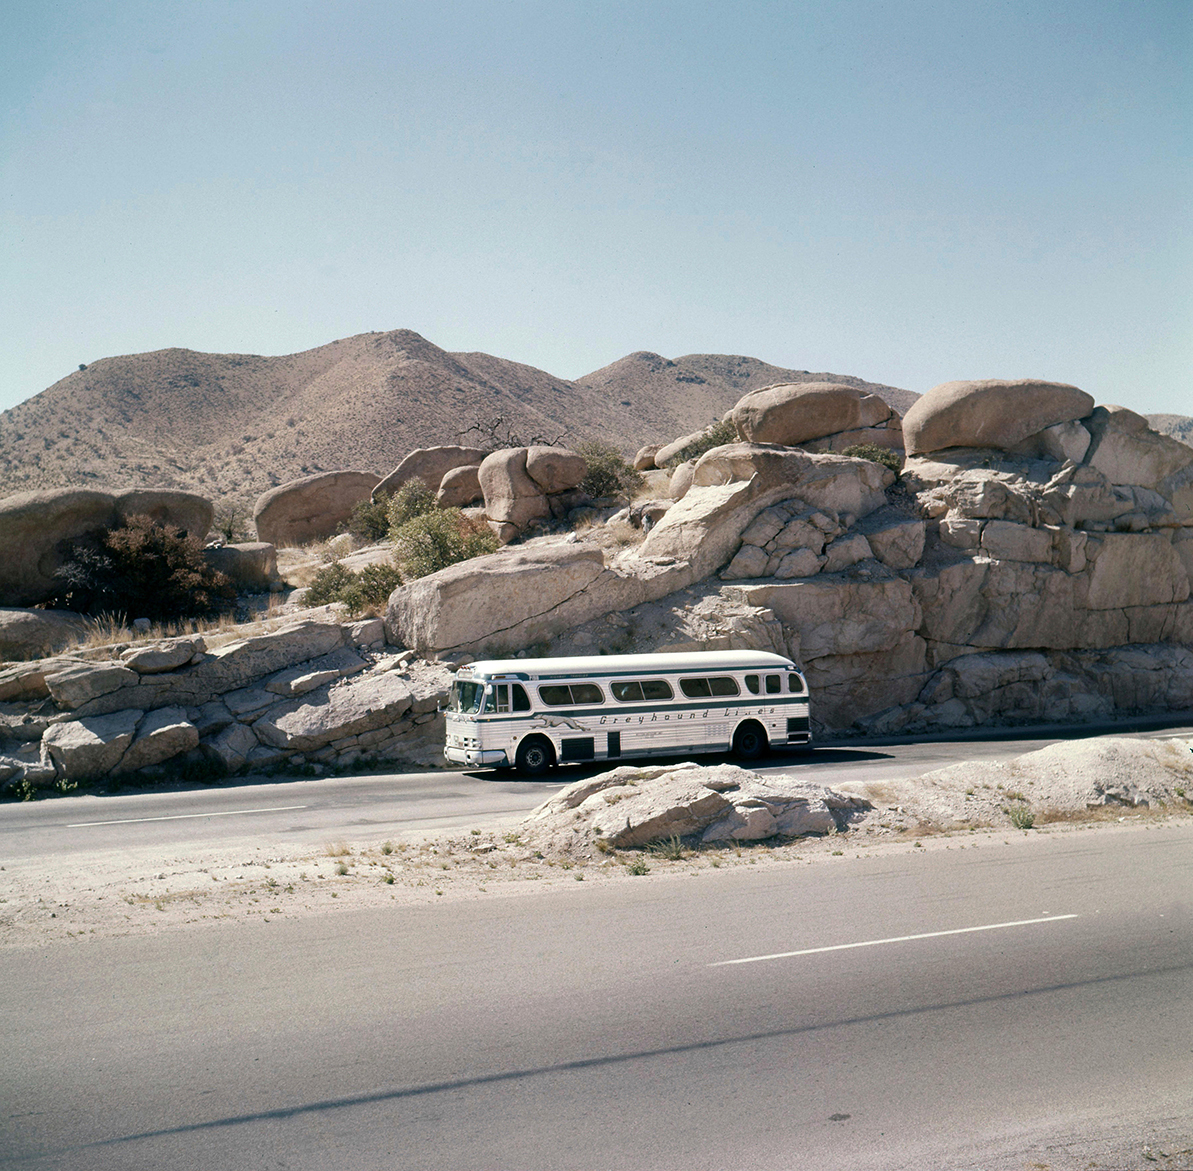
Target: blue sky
{"x": 911, "y": 192}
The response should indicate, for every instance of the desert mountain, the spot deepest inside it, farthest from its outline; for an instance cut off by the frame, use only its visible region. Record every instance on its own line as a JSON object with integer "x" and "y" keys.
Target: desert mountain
{"x": 231, "y": 426}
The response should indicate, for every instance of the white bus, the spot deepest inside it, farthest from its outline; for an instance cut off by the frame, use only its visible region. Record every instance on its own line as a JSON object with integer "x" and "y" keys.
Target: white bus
{"x": 534, "y": 713}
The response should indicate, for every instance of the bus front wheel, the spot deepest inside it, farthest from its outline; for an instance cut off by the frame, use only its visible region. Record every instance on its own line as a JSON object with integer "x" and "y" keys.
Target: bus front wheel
{"x": 749, "y": 741}
{"x": 535, "y": 756}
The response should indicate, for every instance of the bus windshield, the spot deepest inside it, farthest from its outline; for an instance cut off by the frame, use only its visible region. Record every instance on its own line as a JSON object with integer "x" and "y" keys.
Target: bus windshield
{"x": 466, "y": 698}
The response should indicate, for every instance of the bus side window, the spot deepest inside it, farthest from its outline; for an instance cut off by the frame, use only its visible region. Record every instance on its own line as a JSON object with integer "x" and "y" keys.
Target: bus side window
{"x": 695, "y": 688}
{"x": 795, "y": 683}
{"x": 502, "y": 697}
{"x": 752, "y": 684}
{"x": 773, "y": 685}
{"x": 521, "y": 701}
{"x": 656, "y": 689}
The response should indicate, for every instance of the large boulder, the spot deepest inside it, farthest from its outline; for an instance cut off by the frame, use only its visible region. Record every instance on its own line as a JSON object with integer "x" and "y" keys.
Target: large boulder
{"x": 513, "y": 501}
{"x": 481, "y": 600}
{"x": 161, "y": 735}
{"x": 332, "y": 713}
{"x": 183, "y": 510}
{"x": 555, "y": 469}
{"x": 665, "y": 454}
{"x": 37, "y": 528}
{"x": 312, "y": 508}
{"x": 993, "y": 412}
{"x": 429, "y": 464}
{"x": 460, "y": 487}
{"x": 832, "y": 482}
{"x": 797, "y": 412}
{"x": 251, "y": 566}
{"x": 89, "y": 748}
{"x": 1126, "y": 451}
{"x": 645, "y": 457}
{"x": 631, "y": 807}
{"x": 30, "y": 634}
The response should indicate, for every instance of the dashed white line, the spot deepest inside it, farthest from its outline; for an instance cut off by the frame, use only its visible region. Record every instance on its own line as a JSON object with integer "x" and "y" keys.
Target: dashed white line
{"x": 808, "y": 951}
{"x": 184, "y": 816}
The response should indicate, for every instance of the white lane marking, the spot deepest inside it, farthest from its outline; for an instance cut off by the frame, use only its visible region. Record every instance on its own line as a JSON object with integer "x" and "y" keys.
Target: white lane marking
{"x": 184, "y": 816}
{"x": 809, "y": 951}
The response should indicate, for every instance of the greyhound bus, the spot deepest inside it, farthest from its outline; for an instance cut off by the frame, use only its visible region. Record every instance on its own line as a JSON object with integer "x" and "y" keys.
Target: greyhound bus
{"x": 532, "y": 714}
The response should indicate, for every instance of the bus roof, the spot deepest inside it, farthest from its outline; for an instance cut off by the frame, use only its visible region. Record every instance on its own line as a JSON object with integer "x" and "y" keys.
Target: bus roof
{"x": 656, "y": 664}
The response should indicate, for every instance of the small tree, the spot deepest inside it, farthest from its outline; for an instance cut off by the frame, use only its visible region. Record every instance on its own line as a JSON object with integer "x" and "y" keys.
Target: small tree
{"x": 142, "y": 570}
{"x": 436, "y": 539}
{"x": 370, "y": 519}
{"x": 412, "y": 499}
{"x": 363, "y": 592}
{"x": 608, "y": 472}
{"x": 875, "y": 454}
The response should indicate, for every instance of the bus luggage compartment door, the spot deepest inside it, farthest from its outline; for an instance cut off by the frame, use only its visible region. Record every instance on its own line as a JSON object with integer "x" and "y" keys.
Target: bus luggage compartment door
{"x": 577, "y": 748}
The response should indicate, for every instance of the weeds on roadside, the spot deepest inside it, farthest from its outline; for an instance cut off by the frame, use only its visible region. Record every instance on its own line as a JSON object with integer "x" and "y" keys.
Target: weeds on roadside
{"x": 1021, "y": 816}
{"x": 672, "y": 848}
{"x": 637, "y": 866}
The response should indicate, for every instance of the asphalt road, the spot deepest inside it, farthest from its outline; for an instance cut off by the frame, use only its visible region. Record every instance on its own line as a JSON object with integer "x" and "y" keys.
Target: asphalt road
{"x": 1008, "y": 998}
{"x": 310, "y": 812}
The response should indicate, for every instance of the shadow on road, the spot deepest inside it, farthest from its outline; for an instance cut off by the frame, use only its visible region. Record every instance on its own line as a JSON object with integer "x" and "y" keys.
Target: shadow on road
{"x": 776, "y": 758}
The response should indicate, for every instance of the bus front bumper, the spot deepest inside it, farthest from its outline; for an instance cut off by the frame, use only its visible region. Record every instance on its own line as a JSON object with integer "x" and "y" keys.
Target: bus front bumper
{"x": 476, "y": 756}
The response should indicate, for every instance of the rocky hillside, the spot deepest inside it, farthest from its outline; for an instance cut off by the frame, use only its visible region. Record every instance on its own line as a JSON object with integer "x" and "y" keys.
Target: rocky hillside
{"x": 1178, "y": 426}
{"x": 230, "y": 426}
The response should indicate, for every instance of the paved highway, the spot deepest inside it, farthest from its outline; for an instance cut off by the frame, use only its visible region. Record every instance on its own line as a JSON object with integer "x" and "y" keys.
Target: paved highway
{"x": 309, "y": 812}
{"x": 995, "y": 1007}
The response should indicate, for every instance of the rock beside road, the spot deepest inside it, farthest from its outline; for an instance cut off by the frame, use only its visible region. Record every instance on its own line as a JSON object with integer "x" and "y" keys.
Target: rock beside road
{"x": 635, "y": 806}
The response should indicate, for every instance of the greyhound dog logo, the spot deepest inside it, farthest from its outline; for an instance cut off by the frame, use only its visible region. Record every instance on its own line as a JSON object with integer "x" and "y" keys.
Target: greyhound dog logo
{"x": 558, "y": 722}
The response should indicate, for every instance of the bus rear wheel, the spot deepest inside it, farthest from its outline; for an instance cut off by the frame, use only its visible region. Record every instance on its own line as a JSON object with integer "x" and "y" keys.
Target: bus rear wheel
{"x": 749, "y": 741}
{"x": 535, "y": 756}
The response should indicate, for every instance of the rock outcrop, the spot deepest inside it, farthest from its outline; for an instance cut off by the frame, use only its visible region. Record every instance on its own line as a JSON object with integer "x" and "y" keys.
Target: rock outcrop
{"x": 312, "y": 508}
{"x": 312, "y": 693}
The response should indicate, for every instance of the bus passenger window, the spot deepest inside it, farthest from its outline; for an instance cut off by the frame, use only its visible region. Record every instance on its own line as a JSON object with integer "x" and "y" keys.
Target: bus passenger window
{"x": 587, "y": 693}
{"x": 795, "y": 683}
{"x": 554, "y": 695}
{"x": 695, "y": 688}
{"x": 723, "y": 685}
{"x": 656, "y": 689}
{"x": 627, "y": 692}
{"x": 521, "y": 700}
{"x": 752, "y": 684}
{"x": 773, "y": 685}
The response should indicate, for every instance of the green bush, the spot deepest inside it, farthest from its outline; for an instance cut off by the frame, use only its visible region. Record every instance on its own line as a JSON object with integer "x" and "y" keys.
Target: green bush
{"x": 370, "y": 519}
{"x": 608, "y": 472}
{"x": 412, "y": 499}
{"x": 367, "y": 590}
{"x": 436, "y": 539}
{"x": 142, "y": 570}
{"x": 875, "y": 454}
{"x": 716, "y": 435}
